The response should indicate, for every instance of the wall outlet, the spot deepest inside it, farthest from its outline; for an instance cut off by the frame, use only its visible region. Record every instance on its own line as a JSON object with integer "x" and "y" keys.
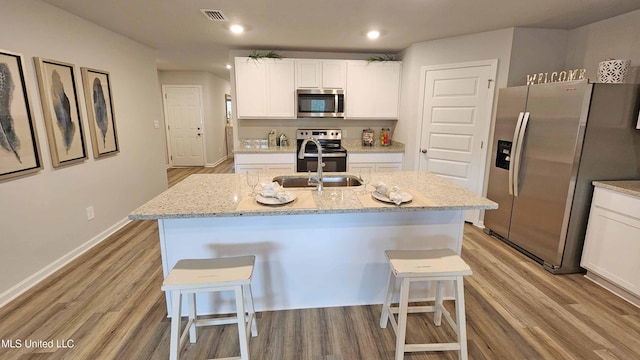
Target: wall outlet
{"x": 156, "y": 124}
{"x": 90, "y": 213}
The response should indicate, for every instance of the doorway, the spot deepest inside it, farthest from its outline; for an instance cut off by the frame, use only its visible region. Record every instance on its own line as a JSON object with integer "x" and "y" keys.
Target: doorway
{"x": 185, "y": 131}
{"x": 456, "y": 102}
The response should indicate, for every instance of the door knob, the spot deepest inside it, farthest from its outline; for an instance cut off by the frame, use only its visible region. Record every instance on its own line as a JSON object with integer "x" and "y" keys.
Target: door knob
{"x": 424, "y": 151}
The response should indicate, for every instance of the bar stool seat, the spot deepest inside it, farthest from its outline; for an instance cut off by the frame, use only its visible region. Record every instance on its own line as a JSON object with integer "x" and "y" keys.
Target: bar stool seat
{"x": 425, "y": 265}
{"x": 191, "y": 276}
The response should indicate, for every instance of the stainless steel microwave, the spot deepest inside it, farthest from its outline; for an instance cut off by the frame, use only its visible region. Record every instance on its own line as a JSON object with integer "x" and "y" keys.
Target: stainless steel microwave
{"x": 320, "y": 103}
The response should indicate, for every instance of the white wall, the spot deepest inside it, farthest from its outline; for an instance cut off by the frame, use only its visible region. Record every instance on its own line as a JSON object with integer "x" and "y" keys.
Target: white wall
{"x": 213, "y": 90}
{"x": 42, "y": 217}
{"x": 617, "y": 38}
{"x": 482, "y": 46}
{"x": 536, "y": 51}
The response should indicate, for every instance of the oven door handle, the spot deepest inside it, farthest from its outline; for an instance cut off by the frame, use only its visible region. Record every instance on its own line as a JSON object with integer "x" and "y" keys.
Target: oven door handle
{"x": 330, "y": 155}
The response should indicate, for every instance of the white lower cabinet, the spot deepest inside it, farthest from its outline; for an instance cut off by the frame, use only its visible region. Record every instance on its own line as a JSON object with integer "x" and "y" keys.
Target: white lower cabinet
{"x": 378, "y": 162}
{"x": 276, "y": 164}
{"x": 612, "y": 244}
{"x": 285, "y": 163}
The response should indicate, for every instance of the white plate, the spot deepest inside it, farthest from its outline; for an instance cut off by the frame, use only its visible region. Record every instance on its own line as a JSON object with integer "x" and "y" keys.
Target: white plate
{"x": 273, "y": 201}
{"x": 406, "y": 197}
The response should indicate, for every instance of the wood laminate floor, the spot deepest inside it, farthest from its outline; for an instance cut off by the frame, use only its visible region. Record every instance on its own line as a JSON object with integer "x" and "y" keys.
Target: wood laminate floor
{"x": 109, "y": 304}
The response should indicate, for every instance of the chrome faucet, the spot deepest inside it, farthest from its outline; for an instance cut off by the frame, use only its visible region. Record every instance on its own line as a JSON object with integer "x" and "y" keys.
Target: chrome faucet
{"x": 317, "y": 180}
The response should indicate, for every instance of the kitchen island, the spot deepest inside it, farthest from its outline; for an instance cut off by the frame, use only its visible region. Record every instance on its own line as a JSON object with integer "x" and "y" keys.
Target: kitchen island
{"x": 323, "y": 249}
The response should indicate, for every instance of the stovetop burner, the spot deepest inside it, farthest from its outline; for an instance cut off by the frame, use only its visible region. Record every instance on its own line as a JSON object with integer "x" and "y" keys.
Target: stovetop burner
{"x": 334, "y": 156}
{"x": 330, "y": 140}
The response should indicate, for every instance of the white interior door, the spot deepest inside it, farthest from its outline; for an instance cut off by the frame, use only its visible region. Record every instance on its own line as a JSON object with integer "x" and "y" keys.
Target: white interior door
{"x": 456, "y": 104}
{"x": 183, "y": 116}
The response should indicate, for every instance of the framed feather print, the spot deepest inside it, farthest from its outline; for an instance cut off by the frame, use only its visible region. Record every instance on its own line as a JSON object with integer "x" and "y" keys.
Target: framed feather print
{"x": 19, "y": 150}
{"x": 59, "y": 97}
{"x": 99, "y": 100}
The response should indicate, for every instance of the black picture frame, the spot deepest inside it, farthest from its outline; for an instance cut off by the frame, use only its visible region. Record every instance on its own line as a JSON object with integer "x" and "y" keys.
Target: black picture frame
{"x": 19, "y": 148}
{"x": 61, "y": 110}
{"x": 99, "y": 101}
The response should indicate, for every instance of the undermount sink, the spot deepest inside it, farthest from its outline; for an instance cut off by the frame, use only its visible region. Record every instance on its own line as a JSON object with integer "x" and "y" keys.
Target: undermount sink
{"x": 328, "y": 181}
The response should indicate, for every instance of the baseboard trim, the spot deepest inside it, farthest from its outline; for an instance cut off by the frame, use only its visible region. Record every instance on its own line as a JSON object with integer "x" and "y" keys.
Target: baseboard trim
{"x": 56, "y": 265}
{"x": 215, "y": 163}
{"x": 614, "y": 288}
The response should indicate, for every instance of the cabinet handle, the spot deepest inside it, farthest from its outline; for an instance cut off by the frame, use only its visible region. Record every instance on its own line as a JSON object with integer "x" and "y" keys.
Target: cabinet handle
{"x": 424, "y": 151}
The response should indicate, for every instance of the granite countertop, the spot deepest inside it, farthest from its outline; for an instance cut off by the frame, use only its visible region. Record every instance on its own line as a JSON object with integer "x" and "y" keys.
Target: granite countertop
{"x": 227, "y": 195}
{"x": 355, "y": 146}
{"x": 629, "y": 187}
{"x": 259, "y": 146}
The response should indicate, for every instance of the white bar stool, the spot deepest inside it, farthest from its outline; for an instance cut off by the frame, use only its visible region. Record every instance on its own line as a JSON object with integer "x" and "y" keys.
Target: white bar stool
{"x": 191, "y": 276}
{"x": 425, "y": 265}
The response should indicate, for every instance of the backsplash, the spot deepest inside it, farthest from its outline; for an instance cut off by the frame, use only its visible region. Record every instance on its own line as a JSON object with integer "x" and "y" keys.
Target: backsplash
{"x": 351, "y": 129}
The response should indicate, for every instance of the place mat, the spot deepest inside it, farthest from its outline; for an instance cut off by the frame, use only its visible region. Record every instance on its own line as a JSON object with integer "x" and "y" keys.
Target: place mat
{"x": 418, "y": 200}
{"x": 304, "y": 200}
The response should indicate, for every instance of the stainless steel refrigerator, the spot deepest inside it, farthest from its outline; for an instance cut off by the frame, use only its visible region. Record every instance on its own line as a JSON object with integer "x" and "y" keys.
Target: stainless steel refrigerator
{"x": 550, "y": 142}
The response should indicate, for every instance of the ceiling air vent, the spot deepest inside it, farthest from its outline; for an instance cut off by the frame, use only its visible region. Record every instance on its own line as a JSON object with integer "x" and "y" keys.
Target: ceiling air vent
{"x": 214, "y": 15}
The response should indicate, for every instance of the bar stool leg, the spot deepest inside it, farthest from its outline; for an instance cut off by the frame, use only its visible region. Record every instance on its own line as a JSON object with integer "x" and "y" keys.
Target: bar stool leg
{"x": 402, "y": 318}
{"x": 176, "y": 305}
{"x": 437, "y": 315}
{"x": 242, "y": 325}
{"x": 460, "y": 318}
{"x": 252, "y": 314}
{"x": 191, "y": 303}
{"x": 384, "y": 317}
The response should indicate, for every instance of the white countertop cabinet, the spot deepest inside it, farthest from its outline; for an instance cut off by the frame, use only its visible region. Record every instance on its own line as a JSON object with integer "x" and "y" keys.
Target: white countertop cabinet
{"x": 265, "y": 88}
{"x": 276, "y": 163}
{"x": 321, "y": 74}
{"x": 376, "y": 162}
{"x": 254, "y": 155}
{"x": 373, "y": 90}
{"x": 611, "y": 251}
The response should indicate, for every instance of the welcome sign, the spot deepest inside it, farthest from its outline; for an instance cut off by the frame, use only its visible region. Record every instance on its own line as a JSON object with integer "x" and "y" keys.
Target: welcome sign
{"x": 565, "y": 75}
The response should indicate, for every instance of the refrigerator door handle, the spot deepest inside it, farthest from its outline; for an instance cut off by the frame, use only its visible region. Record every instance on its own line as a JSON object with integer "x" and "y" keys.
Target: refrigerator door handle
{"x": 518, "y": 155}
{"x": 514, "y": 148}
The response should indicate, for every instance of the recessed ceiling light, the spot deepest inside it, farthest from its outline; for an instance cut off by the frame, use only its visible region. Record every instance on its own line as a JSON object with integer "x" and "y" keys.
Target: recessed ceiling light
{"x": 236, "y": 29}
{"x": 373, "y": 34}
{"x": 228, "y": 66}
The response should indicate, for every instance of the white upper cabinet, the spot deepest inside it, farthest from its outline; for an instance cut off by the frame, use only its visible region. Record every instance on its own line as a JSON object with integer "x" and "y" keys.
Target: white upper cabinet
{"x": 280, "y": 89}
{"x": 251, "y": 88}
{"x": 308, "y": 74}
{"x": 373, "y": 90}
{"x": 265, "y": 88}
{"x": 321, "y": 74}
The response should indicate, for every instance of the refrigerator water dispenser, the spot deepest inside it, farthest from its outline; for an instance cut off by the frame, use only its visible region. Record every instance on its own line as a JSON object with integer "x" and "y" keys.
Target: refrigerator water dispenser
{"x": 503, "y": 156}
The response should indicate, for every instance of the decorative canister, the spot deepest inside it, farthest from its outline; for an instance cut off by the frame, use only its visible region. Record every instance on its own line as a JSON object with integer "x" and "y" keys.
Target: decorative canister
{"x": 282, "y": 140}
{"x": 385, "y": 137}
{"x": 367, "y": 137}
{"x": 272, "y": 138}
{"x": 613, "y": 71}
